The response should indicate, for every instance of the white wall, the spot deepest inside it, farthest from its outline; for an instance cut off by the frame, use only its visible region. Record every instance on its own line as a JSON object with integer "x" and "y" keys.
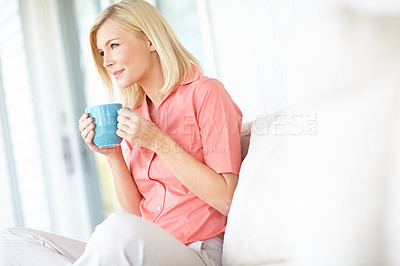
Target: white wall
{"x": 246, "y": 54}
{"x": 247, "y": 44}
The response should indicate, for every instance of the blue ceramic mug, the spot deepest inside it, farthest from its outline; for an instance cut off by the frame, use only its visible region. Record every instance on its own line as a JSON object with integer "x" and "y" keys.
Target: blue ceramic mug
{"x": 105, "y": 120}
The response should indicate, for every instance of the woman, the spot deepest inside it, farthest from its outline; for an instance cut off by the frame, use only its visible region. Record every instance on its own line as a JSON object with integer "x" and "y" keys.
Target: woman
{"x": 176, "y": 179}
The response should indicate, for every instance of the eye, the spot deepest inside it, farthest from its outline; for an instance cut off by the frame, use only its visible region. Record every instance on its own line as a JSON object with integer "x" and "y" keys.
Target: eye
{"x": 113, "y": 45}
{"x": 101, "y": 53}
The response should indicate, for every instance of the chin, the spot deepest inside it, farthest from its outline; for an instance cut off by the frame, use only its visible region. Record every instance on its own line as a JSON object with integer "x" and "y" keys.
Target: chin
{"x": 125, "y": 84}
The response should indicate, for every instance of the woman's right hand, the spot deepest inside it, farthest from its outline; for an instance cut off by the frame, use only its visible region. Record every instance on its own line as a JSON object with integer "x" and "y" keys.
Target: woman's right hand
{"x": 86, "y": 127}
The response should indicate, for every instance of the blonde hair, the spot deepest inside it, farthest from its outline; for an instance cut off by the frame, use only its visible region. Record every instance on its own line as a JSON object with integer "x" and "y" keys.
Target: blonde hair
{"x": 141, "y": 17}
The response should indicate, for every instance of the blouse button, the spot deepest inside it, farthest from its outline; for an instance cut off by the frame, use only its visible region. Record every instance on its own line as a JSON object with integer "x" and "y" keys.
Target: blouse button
{"x": 158, "y": 208}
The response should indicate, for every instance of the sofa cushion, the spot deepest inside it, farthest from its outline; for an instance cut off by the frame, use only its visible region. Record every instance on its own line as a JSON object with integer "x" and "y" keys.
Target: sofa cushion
{"x": 255, "y": 232}
{"x": 306, "y": 199}
{"x": 332, "y": 198}
{"x": 309, "y": 197}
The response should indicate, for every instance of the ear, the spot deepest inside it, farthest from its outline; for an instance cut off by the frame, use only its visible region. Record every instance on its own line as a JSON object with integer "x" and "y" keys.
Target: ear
{"x": 151, "y": 46}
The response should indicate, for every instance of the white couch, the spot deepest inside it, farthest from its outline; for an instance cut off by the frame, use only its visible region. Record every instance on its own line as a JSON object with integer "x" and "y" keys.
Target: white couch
{"x": 320, "y": 184}
{"x": 329, "y": 198}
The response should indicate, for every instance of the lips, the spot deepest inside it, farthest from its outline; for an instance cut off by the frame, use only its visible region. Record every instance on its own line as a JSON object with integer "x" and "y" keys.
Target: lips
{"x": 118, "y": 73}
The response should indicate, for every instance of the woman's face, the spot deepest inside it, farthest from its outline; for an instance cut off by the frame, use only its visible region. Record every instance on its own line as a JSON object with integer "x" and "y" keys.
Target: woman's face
{"x": 126, "y": 56}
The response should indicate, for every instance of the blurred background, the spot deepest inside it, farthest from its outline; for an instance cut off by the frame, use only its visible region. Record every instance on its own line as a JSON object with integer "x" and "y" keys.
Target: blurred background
{"x": 49, "y": 180}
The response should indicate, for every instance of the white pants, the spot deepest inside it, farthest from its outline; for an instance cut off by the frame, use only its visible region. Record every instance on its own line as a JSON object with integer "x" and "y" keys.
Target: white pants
{"x": 122, "y": 239}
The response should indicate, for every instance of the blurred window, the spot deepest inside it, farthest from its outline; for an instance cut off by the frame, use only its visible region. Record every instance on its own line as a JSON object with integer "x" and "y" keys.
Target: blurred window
{"x": 183, "y": 16}
{"x": 95, "y": 92}
{"x": 23, "y": 197}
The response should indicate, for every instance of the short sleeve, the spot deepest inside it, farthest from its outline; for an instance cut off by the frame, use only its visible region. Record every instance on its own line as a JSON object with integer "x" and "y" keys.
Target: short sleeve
{"x": 219, "y": 121}
{"x": 127, "y": 151}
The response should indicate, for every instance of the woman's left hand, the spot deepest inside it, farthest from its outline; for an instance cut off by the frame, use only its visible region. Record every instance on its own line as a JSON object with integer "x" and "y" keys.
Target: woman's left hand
{"x": 137, "y": 130}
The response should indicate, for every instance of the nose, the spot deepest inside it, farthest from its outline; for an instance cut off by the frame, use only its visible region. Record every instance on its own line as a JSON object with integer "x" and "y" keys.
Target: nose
{"x": 107, "y": 61}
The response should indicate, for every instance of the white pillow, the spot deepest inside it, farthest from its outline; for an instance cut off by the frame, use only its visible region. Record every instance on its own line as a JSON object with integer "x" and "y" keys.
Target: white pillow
{"x": 323, "y": 199}
{"x": 255, "y": 232}
{"x": 328, "y": 198}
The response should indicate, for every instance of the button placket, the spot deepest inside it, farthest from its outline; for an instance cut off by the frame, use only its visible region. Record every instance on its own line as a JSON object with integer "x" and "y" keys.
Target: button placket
{"x": 151, "y": 157}
{"x": 159, "y": 187}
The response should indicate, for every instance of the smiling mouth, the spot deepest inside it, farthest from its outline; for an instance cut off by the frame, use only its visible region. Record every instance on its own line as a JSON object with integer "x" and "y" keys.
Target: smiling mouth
{"x": 118, "y": 73}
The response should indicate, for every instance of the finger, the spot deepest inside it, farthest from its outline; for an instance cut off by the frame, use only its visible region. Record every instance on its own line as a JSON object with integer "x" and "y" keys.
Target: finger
{"x": 89, "y": 137}
{"x": 85, "y": 129}
{"x": 125, "y": 111}
{"x": 82, "y": 119}
{"x": 90, "y": 143}
{"x": 120, "y": 126}
{"x": 125, "y": 115}
{"x": 131, "y": 123}
{"x": 84, "y": 116}
{"x": 85, "y": 123}
{"x": 84, "y": 133}
{"x": 134, "y": 122}
{"x": 123, "y": 119}
{"x": 122, "y": 134}
{"x": 124, "y": 128}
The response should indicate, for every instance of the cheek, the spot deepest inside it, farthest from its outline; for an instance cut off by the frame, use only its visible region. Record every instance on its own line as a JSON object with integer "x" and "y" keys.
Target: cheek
{"x": 140, "y": 64}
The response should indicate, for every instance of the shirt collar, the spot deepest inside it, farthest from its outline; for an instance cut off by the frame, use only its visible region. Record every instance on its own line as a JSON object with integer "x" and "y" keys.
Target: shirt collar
{"x": 144, "y": 108}
{"x": 195, "y": 76}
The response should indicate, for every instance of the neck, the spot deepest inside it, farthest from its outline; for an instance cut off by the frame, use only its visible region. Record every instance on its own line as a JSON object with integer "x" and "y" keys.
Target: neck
{"x": 153, "y": 83}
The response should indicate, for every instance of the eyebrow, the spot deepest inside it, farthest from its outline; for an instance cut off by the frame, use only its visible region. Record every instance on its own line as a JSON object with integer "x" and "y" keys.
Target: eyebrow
{"x": 107, "y": 42}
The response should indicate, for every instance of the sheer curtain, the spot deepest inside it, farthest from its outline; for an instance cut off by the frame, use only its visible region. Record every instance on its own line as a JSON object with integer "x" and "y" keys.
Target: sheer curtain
{"x": 23, "y": 197}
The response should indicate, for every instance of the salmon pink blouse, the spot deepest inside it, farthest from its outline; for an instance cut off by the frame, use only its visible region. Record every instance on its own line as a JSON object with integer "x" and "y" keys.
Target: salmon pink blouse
{"x": 202, "y": 118}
